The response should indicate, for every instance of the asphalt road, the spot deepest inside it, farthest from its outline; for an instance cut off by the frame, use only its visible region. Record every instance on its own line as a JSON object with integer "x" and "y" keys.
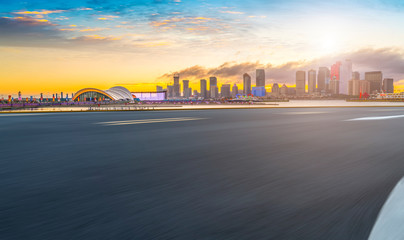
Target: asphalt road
{"x": 214, "y": 174}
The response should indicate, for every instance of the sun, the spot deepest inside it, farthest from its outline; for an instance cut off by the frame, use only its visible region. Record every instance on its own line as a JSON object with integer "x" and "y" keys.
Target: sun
{"x": 329, "y": 45}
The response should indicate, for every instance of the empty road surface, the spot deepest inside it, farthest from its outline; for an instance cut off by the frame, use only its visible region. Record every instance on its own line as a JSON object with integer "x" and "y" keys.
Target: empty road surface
{"x": 315, "y": 173}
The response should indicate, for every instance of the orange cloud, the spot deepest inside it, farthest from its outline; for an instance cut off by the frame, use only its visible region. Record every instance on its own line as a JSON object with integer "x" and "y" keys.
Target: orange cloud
{"x": 43, "y": 12}
{"x": 33, "y": 21}
{"x": 107, "y": 17}
{"x": 97, "y": 37}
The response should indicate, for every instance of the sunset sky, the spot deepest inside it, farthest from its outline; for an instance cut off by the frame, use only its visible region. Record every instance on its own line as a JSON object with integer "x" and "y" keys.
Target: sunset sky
{"x": 53, "y": 46}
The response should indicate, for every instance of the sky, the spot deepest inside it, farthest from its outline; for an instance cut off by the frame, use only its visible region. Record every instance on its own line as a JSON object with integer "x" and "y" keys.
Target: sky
{"x": 52, "y": 46}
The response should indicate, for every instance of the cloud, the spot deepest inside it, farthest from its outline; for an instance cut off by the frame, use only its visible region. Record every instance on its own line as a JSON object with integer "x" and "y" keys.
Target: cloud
{"x": 93, "y": 29}
{"x": 96, "y": 38}
{"x": 43, "y": 12}
{"x": 190, "y": 24}
{"x": 232, "y": 12}
{"x": 108, "y": 17}
{"x": 27, "y": 31}
{"x": 388, "y": 60}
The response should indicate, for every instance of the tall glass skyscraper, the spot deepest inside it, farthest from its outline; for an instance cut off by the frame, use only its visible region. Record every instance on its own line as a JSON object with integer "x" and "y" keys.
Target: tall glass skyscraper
{"x": 300, "y": 83}
{"x": 246, "y": 84}
{"x": 260, "y": 78}
{"x": 312, "y": 81}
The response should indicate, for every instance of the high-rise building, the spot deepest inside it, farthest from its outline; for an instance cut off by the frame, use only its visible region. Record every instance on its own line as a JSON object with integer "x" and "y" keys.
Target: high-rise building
{"x": 212, "y": 82}
{"x": 300, "y": 83}
{"x": 355, "y": 87}
{"x": 388, "y": 85}
{"x": 364, "y": 87}
{"x": 345, "y": 76}
{"x": 170, "y": 91}
{"x": 185, "y": 89}
{"x": 159, "y": 88}
{"x": 203, "y": 89}
{"x": 177, "y": 86}
{"x": 375, "y": 80}
{"x": 275, "y": 90}
{"x": 225, "y": 91}
{"x": 260, "y": 78}
{"x": 246, "y": 84}
{"x": 335, "y": 78}
{"x": 356, "y": 76}
{"x": 234, "y": 91}
{"x": 341, "y": 73}
{"x": 312, "y": 81}
{"x": 214, "y": 92}
{"x": 323, "y": 79}
{"x": 284, "y": 90}
{"x": 189, "y": 93}
{"x": 350, "y": 87}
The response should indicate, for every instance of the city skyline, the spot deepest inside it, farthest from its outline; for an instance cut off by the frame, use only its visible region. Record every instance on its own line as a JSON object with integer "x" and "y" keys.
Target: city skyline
{"x": 64, "y": 46}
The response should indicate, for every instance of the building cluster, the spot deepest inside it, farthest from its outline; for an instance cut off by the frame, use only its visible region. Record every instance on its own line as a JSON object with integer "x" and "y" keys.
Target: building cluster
{"x": 341, "y": 80}
{"x": 338, "y": 80}
{"x": 210, "y": 90}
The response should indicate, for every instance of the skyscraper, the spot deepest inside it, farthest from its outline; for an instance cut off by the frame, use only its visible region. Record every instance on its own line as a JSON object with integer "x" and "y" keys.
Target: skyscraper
{"x": 355, "y": 87}
{"x": 260, "y": 78}
{"x": 170, "y": 91}
{"x": 375, "y": 80}
{"x": 203, "y": 89}
{"x": 323, "y": 79}
{"x": 300, "y": 83}
{"x": 275, "y": 90}
{"x": 225, "y": 91}
{"x": 246, "y": 84}
{"x": 345, "y": 76}
{"x": 312, "y": 81}
{"x": 350, "y": 87}
{"x": 234, "y": 91}
{"x": 388, "y": 85}
{"x": 214, "y": 92}
{"x": 335, "y": 78}
{"x": 177, "y": 86}
{"x": 185, "y": 89}
{"x": 341, "y": 73}
{"x": 212, "y": 82}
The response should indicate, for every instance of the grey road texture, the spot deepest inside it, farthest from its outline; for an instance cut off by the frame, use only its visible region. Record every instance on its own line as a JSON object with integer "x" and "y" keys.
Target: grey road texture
{"x": 315, "y": 173}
